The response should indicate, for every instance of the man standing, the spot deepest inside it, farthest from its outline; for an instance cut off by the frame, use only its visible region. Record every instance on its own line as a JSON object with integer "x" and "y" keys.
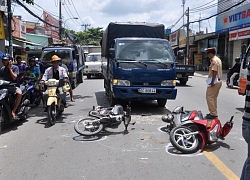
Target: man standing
{"x": 245, "y": 175}
{"x": 215, "y": 74}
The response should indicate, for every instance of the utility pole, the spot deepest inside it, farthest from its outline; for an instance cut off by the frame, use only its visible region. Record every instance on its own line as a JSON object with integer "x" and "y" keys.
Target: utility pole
{"x": 187, "y": 13}
{"x": 10, "y": 27}
{"x": 85, "y": 26}
{"x": 200, "y": 23}
{"x": 60, "y": 19}
{"x": 183, "y": 5}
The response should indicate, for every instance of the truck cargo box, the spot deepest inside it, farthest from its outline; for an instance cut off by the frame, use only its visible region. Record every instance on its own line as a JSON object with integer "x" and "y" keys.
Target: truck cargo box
{"x": 129, "y": 29}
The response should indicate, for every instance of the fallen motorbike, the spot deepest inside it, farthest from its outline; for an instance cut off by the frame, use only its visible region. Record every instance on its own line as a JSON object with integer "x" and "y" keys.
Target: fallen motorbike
{"x": 194, "y": 132}
{"x": 55, "y": 105}
{"x": 33, "y": 95}
{"x": 177, "y": 117}
{"x": 101, "y": 117}
{"x": 235, "y": 80}
{"x": 7, "y": 100}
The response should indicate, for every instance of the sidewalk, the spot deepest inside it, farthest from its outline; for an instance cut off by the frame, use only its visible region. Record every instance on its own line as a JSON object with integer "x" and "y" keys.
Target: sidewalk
{"x": 204, "y": 74}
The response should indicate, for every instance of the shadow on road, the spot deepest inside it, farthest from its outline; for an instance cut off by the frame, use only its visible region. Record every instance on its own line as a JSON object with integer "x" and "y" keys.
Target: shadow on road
{"x": 12, "y": 126}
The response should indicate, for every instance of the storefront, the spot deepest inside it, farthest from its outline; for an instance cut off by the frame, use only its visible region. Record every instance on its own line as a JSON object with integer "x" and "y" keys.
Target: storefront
{"x": 236, "y": 25}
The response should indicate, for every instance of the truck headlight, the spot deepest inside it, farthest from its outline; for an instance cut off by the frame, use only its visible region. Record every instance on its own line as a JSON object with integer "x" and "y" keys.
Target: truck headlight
{"x": 168, "y": 83}
{"x": 120, "y": 82}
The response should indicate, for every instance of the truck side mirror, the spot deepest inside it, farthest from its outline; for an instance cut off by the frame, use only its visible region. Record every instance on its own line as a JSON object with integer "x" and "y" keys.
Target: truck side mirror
{"x": 111, "y": 53}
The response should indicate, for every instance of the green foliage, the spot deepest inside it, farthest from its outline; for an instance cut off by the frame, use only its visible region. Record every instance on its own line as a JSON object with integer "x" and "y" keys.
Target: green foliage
{"x": 91, "y": 36}
{"x": 29, "y": 1}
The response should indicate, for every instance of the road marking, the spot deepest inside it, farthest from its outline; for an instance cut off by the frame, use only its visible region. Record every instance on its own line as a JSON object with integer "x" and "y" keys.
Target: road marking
{"x": 228, "y": 173}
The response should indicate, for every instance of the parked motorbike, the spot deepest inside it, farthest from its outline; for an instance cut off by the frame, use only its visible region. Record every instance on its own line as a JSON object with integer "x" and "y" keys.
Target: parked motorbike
{"x": 7, "y": 100}
{"x": 235, "y": 80}
{"x": 101, "y": 118}
{"x": 33, "y": 95}
{"x": 194, "y": 132}
{"x": 55, "y": 105}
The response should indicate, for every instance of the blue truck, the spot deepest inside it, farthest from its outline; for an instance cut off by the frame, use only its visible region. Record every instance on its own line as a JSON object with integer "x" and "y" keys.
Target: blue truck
{"x": 138, "y": 63}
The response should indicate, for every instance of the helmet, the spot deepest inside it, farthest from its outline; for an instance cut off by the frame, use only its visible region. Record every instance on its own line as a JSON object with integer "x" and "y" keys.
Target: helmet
{"x": 55, "y": 58}
{"x": 237, "y": 59}
{"x": 7, "y": 57}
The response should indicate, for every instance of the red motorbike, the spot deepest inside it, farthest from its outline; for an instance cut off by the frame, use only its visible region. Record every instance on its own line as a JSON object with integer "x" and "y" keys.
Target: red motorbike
{"x": 195, "y": 132}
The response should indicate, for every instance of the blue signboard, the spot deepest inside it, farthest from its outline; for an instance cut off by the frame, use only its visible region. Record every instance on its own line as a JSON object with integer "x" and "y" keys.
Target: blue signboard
{"x": 167, "y": 31}
{"x": 233, "y": 20}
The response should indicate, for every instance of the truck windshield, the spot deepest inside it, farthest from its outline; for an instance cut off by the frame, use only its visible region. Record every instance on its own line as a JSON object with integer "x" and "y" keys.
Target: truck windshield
{"x": 63, "y": 54}
{"x": 153, "y": 51}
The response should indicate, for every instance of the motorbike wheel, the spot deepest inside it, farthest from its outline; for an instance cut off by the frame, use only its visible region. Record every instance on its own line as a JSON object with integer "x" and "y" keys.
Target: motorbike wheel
{"x": 183, "y": 142}
{"x": 51, "y": 114}
{"x": 88, "y": 126}
{"x": 228, "y": 82}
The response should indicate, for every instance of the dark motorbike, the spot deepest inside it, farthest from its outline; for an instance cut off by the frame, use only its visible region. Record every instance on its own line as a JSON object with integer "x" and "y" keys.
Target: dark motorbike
{"x": 235, "y": 80}
{"x": 7, "y": 100}
{"x": 101, "y": 117}
{"x": 33, "y": 95}
{"x": 190, "y": 131}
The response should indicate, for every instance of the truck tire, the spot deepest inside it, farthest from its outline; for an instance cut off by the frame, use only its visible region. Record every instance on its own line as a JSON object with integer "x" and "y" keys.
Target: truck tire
{"x": 88, "y": 76}
{"x": 80, "y": 77}
{"x": 161, "y": 102}
{"x": 183, "y": 82}
{"x": 112, "y": 100}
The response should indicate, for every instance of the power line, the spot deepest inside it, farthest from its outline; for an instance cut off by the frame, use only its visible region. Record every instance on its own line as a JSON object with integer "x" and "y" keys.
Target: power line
{"x": 201, "y": 5}
{"x": 72, "y": 16}
{"x": 33, "y": 14}
{"x": 76, "y": 11}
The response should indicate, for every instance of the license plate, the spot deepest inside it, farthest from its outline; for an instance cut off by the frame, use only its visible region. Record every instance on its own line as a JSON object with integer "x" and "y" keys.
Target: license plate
{"x": 147, "y": 90}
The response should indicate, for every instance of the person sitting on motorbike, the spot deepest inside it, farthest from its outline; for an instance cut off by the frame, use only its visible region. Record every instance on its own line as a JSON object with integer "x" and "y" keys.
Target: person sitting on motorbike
{"x": 9, "y": 72}
{"x": 56, "y": 72}
{"x": 36, "y": 70}
{"x": 234, "y": 70}
{"x": 21, "y": 67}
{"x": 28, "y": 74}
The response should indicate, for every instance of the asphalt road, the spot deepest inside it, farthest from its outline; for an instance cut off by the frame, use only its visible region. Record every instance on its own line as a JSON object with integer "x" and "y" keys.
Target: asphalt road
{"x": 31, "y": 150}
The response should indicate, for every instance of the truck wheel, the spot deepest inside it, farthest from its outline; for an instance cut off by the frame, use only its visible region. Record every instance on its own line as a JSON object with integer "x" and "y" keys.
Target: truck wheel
{"x": 112, "y": 100}
{"x": 80, "y": 77}
{"x": 161, "y": 102}
{"x": 183, "y": 82}
{"x": 88, "y": 76}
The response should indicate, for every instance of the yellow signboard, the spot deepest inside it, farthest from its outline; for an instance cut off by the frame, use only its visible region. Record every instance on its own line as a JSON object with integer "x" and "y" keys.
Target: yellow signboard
{"x": 2, "y": 31}
{"x": 198, "y": 59}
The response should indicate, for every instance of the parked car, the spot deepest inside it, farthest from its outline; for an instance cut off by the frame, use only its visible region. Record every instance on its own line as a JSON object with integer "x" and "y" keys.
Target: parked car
{"x": 93, "y": 65}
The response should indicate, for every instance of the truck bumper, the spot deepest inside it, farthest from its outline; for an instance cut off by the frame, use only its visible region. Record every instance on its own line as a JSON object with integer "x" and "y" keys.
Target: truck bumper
{"x": 133, "y": 93}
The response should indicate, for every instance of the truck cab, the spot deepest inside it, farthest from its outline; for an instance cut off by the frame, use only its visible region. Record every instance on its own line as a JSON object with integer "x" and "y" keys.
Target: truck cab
{"x": 140, "y": 69}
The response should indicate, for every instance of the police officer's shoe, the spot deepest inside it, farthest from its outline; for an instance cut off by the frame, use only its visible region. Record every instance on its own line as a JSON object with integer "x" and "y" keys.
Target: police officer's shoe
{"x": 209, "y": 116}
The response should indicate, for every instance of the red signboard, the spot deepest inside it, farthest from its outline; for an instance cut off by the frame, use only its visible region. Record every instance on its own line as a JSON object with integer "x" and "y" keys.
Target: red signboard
{"x": 50, "y": 30}
{"x": 16, "y": 27}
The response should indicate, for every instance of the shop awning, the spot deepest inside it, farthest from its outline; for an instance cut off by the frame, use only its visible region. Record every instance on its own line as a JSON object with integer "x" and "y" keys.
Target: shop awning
{"x": 7, "y": 44}
{"x": 27, "y": 42}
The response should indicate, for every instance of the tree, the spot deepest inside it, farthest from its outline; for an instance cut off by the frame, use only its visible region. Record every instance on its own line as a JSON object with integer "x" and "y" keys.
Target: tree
{"x": 91, "y": 36}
